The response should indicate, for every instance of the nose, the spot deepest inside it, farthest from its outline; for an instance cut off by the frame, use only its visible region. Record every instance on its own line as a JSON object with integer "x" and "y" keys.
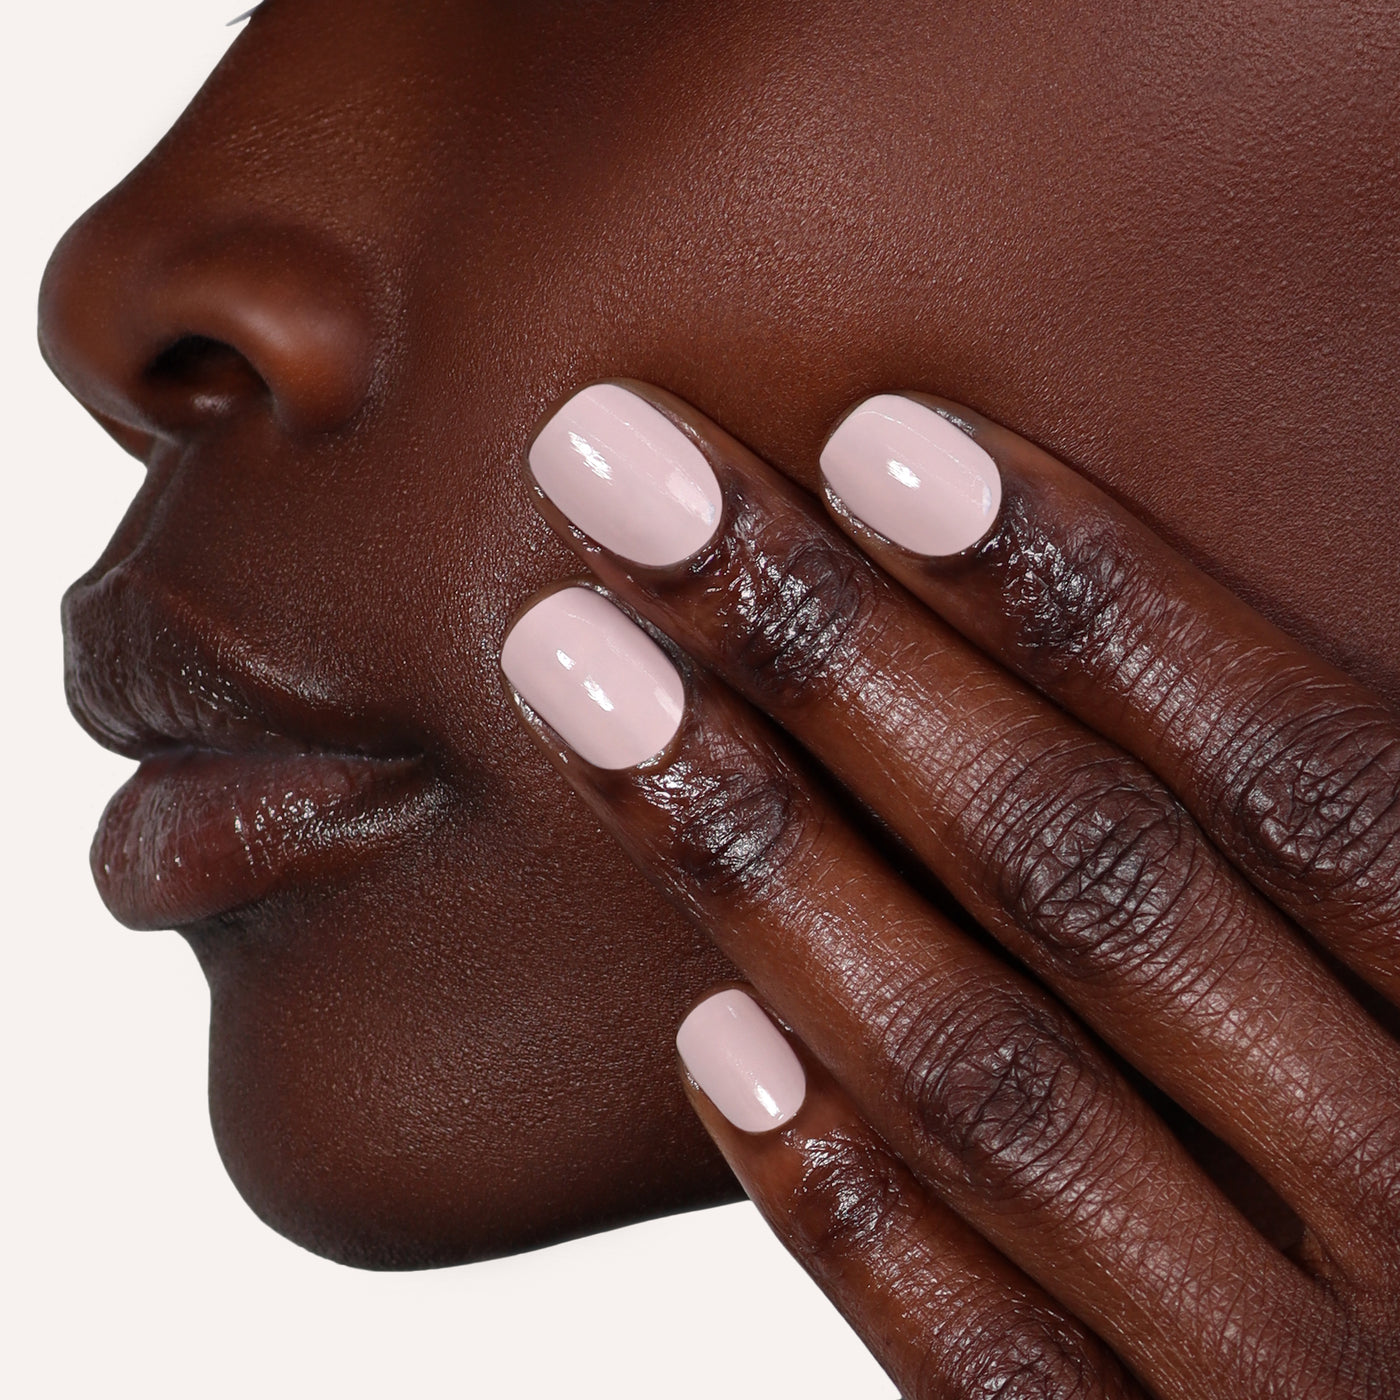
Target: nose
{"x": 162, "y": 330}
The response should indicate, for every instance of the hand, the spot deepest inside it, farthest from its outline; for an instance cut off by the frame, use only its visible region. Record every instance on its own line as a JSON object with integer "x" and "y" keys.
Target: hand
{"x": 1158, "y": 832}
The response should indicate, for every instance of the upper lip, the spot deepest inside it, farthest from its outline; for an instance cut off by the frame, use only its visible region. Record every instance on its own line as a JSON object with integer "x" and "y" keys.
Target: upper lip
{"x": 145, "y": 674}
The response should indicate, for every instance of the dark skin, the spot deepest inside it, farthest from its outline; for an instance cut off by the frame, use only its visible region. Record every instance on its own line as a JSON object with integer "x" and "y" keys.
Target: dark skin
{"x": 1149, "y": 853}
{"x": 330, "y": 307}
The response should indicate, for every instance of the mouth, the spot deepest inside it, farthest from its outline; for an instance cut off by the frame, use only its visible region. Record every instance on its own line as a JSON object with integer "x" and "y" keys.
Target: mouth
{"x": 248, "y": 786}
{"x": 197, "y": 833}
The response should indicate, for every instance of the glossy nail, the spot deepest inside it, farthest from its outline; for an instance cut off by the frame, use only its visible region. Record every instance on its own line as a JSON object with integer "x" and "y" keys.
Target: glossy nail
{"x": 912, "y": 476}
{"x": 742, "y": 1062}
{"x": 622, "y": 472}
{"x": 605, "y": 687}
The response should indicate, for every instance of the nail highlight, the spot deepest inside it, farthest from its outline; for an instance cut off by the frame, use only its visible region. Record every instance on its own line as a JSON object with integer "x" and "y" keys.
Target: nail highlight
{"x": 609, "y": 691}
{"x": 622, "y": 472}
{"x": 909, "y": 474}
{"x": 742, "y": 1062}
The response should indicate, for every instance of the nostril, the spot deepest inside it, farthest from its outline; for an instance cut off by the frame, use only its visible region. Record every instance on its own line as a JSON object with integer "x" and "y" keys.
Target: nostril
{"x": 197, "y": 377}
{"x": 162, "y": 337}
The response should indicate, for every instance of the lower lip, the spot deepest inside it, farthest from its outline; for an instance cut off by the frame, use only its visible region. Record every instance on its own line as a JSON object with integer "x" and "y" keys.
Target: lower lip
{"x": 195, "y": 834}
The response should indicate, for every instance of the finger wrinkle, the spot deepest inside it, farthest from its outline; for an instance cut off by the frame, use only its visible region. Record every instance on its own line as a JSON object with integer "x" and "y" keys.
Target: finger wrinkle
{"x": 999, "y": 1084}
{"x": 790, "y": 608}
{"x": 1063, "y": 595}
{"x": 994, "y": 749}
{"x": 857, "y": 1212}
{"x": 1015, "y": 1353}
{"x": 731, "y": 831}
{"x": 1092, "y": 857}
{"x": 854, "y": 1197}
{"x": 1316, "y": 795}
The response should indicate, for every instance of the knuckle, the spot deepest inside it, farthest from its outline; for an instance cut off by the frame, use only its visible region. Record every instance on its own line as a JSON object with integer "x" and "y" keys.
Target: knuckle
{"x": 1005, "y": 1087}
{"x": 795, "y": 604}
{"x": 1017, "y": 1354}
{"x": 1065, "y": 593}
{"x": 735, "y": 829}
{"x": 1317, "y": 797}
{"x": 856, "y": 1201}
{"x": 1099, "y": 864}
{"x": 853, "y": 1195}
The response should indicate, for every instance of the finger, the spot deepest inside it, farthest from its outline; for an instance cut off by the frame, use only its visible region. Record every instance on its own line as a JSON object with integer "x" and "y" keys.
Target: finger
{"x": 980, "y": 1082}
{"x": 1291, "y": 767}
{"x": 1072, "y": 854}
{"x": 946, "y": 1315}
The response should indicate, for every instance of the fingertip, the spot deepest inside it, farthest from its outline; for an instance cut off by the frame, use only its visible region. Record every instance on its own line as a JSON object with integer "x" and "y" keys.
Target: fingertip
{"x": 741, "y": 1062}
{"x": 914, "y": 473}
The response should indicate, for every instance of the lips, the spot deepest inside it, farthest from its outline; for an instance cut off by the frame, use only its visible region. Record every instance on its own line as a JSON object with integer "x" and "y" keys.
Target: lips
{"x": 249, "y": 785}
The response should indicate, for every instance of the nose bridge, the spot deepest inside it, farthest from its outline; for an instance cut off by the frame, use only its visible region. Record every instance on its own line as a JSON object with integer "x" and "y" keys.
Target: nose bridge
{"x": 276, "y": 313}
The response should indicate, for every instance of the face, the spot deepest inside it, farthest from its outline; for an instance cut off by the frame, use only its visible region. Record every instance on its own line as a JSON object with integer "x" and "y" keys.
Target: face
{"x": 385, "y": 238}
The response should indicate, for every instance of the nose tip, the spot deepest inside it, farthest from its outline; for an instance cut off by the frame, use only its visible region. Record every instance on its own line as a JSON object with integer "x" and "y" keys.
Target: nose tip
{"x": 160, "y": 332}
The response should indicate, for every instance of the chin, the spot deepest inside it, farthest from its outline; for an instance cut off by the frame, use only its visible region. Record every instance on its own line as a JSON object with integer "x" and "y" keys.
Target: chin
{"x": 392, "y": 1115}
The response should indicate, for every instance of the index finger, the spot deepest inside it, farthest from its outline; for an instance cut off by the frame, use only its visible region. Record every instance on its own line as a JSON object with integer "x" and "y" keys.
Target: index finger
{"x": 1290, "y": 766}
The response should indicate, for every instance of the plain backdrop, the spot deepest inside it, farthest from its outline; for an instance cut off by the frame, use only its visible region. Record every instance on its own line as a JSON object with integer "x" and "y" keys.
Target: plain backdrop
{"x": 130, "y": 1265}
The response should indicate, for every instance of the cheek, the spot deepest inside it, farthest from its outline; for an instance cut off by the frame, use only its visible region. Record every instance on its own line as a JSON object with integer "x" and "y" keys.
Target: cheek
{"x": 774, "y": 250}
{"x": 467, "y": 1047}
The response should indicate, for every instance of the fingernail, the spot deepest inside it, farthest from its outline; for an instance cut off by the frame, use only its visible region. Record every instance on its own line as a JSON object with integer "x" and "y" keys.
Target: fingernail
{"x": 608, "y": 690}
{"x": 909, "y": 474}
{"x": 627, "y": 476}
{"x": 741, "y": 1061}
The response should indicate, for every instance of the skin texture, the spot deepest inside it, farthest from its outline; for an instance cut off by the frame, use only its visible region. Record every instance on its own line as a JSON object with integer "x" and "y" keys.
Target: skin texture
{"x": 940, "y": 1077}
{"x": 332, "y": 304}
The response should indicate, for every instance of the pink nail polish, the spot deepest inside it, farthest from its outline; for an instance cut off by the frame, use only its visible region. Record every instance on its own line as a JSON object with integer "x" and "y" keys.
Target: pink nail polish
{"x": 742, "y": 1062}
{"x": 622, "y": 472}
{"x": 909, "y": 474}
{"x": 608, "y": 690}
